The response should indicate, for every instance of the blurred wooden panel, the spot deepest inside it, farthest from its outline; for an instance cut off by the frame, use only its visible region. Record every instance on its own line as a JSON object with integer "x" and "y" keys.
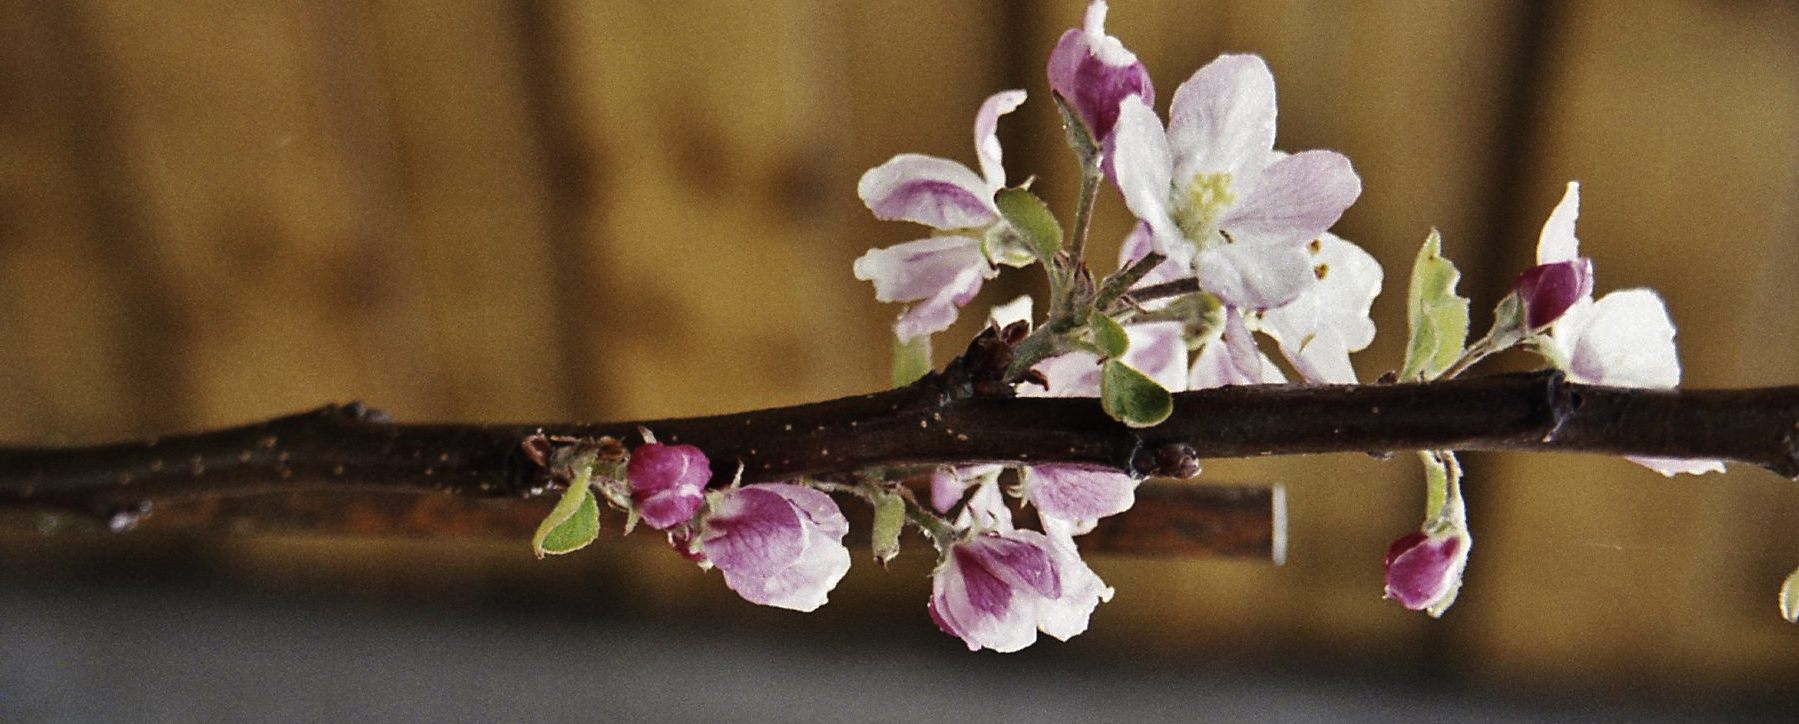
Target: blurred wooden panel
{"x": 725, "y": 138}
{"x": 1682, "y": 122}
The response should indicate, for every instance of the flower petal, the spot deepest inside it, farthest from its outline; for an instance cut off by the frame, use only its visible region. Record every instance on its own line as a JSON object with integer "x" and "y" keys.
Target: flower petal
{"x": 939, "y": 312}
{"x": 1297, "y": 198}
{"x": 1066, "y": 616}
{"x": 1077, "y": 494}
{"x": 1624, "y": 340}
{"x": 1675, "y": 466}
{"x": 751, "y": 533}
{"x": 936, "y": 192}
{"x": 1557, "y": 243}
{"x": 1254, "y": 276}
{"x": 806, "y": 584}
{"x": 986, "y": 139}
{"x": 1317, "y": 331}
{"x": 1144, "y": 166}
{"x": 921, "y": 269}
{"x": 1222, "y": 120}
{"x": 1233, "y": 359}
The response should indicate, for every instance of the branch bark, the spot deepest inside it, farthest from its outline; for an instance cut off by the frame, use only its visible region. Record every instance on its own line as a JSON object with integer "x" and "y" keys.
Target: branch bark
{"x": 940, "y": 419}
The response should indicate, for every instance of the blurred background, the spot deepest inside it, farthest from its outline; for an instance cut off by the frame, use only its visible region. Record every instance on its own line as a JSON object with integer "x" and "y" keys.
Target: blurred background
{"x": 215, "y": 212}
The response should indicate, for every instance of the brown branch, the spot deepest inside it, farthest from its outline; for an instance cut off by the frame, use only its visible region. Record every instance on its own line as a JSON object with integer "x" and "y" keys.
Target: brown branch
{"x": 933, "y": 421}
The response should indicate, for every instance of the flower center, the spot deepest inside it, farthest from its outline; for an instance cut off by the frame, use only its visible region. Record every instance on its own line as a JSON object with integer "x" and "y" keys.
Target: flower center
{"x": 1208, "y": 195}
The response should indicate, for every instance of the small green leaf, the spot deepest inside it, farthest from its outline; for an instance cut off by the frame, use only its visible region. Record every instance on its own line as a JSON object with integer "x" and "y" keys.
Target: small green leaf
{"x": 1131, "y": 397}
{"x": 1789, "y": 598}
{"x": 1108, "y": 335}
{"x": 1032, "y": 218}
{"x": 890, "y": 519}
{"x": 911, "y": 360}
{"x": 572, "y": 524}
{"x": 1437, "y": 315}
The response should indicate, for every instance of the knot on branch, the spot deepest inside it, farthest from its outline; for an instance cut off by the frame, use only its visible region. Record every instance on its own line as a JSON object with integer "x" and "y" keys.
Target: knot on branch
{"x": 1166, "y": 460}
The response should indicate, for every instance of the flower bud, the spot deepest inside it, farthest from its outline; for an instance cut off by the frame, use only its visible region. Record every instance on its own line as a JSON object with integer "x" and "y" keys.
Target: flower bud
{"x": 1093, "y": 73}
{"x": 1548, "y": 290}
{"x": 668, "y": 482}
{"x": 1424, "y": 571}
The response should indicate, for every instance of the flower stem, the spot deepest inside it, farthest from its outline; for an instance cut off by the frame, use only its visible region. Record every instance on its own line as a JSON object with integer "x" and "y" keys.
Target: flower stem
{"x": 1091, "y": 177}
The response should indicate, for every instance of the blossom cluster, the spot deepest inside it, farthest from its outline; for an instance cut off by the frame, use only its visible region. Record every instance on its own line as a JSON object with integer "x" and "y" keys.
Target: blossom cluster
{"x": 1232, "y": 250}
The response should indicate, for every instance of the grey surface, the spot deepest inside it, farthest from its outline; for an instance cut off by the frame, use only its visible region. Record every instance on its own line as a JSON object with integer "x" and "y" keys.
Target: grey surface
{"x": 199, "y": 654}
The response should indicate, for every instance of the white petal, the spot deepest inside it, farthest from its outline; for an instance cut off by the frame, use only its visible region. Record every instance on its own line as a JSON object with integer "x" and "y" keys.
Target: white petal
{"x": 1557, "y": 242}
{"x": 1675, "y": 466}
{"x": 1317, "y": 331}
{"x": 1144, "y": 168}
{"x": 1077, "y": 494}
{"x": 1140, "y": 242}
{"x": 936, "y": 192}
{"x": 1075, "y": 374}
{"x": 1296, "y": 199}
{"x": 1625, "y": 339}
{"x": 1017, "y": 310}
{"x": 1082, "y": 590}
{"x": 1255, "y": 276}
{"x": 1222, "y": 120}
{"x": 1159, "y": 351}
{"x": 986, "y": 139}
{"x": 1233, "y": 359}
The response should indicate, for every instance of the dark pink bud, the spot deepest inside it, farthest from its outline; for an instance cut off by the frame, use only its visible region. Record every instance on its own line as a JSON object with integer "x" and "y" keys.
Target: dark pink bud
{"x": 668, "y": 482}
{"x": 1424, "y": 570}
{"x": 1548, "y": 290}
{"x": 1094, "y": 72}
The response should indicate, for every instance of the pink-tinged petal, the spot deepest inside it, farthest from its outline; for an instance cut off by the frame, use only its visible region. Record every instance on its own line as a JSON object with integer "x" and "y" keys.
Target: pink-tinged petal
{"x": 667, "y": 482}
{"x": 1093, "y": 72}
{"x": 752, "y": 532}
{"x": 946, "y": 489}
{"x": 1557, "y": 243}
{"x": 1159, "y": 351}
{"x": 1317, "y": 331}
{"x": 986, "y": 508}
{"x": 986, "y": 135}
{"x": 1082, "y": 590}
{"x": 1233, "y": 359}
{"x": 1675, "y": 466}
{"x": 1423, "y": 570}
{"x": 1222, "y": 120}
{"x": 777, "y": 544}
{"x": 921, "y": 269}
{"x": 1144, "y": 167}
{"x": 936, "y": 192}
{"x": 973, "y": 604}
{"x": 1255, "y": 276}
{"x": 1549, "y": 290}
{"x": 1297, "y": 198}
{"x": 1625, "y": 339}
{"x": 1140, "y": 242}
{"x": 939, "y": 312}
{"x": 1079, "y": 495}
{"x": 1021, "y": 558}
{"x": 1075, "y": 374}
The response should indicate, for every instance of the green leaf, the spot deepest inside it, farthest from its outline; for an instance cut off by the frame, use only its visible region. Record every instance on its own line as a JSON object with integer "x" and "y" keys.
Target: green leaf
{"x": 1131, "y": 397}
{"x": 890, "y": 519}
{"x": 572, "y": 524}
{"x": 1032, "y": 218}
{"x": 1437, "y": 315}
{"x": 911, "y": 360}
{"x": 1789, "y": 598}
{"x": 1108, "y": 335}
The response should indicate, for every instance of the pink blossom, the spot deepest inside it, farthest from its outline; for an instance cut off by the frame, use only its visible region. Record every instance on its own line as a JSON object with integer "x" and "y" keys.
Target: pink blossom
{"x": 996, "y": 590}
{"x": 777, "y": 544}
{"x": 1212, "y": 188}
{"x": 668, "y": 482}
{"x": 1093, "y": 72}
{"x": 1424, "y": 571}
{"x": 941, "y": 273}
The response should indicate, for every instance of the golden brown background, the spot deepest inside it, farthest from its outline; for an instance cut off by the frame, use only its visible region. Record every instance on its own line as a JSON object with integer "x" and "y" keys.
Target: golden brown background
{"x": 214, "y": 212}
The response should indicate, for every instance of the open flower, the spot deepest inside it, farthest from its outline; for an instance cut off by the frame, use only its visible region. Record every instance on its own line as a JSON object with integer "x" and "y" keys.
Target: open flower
{"x": 996, "y": 590}
{"x": 777, "y": 544}
{"x": 1213, "y": 189}
{"x": 942, "y": 273}
{"x": 1624, "y": 339}
{"x": 1093, "y": 72}
{"x": 1424, "y": 570}
{"x": 668, "y": 482}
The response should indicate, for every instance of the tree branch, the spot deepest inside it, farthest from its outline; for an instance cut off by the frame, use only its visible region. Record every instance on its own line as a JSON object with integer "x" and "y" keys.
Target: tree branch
{"x": 939, "y": 419}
